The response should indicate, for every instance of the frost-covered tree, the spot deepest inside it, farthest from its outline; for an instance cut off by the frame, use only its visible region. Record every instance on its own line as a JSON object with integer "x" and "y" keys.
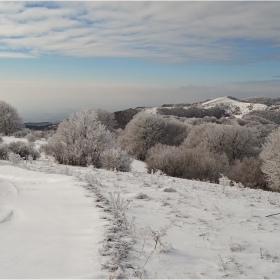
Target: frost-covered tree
{"x": 141, "y": 133}
{"x": 106, "y": 118}
{"x": 175, "y": 132}
{"x": 145, "y": 130}
{"x": 235, "y": 141}
{"x": 80, "y": 140}
{"x": 270, "y": 156}
{"x": 10, "y": 120}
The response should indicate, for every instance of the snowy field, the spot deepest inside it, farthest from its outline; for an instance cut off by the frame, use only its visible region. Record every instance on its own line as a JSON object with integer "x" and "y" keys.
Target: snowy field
{"x": 75, "y": 224}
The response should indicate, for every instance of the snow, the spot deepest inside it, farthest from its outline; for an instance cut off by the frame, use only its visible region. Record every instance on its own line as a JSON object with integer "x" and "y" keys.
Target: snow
{"x": 139, "y": 166}
{"x": 10, "y": 139}
{"x": 205, "y": 230}
{"x": 210, "y": 225}
{"x": 236, "y": 107}
{"x": 49, "y": 227}
{"x": 152, "y": 110}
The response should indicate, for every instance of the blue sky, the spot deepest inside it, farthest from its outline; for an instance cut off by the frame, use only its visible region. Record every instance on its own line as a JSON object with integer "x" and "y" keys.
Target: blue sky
{"x": 59, "y": 57}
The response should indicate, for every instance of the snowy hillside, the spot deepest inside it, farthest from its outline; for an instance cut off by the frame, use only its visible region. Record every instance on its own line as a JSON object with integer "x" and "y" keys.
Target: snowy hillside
{"x": 234, "y": 107}
{"x": 173, "y": 228}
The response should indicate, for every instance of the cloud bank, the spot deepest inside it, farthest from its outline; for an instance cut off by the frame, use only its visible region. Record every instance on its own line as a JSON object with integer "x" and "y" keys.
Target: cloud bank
{"x": 166, "y": 32}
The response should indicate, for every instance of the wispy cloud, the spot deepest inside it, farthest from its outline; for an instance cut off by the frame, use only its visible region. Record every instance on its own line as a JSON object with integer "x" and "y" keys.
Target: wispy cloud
{"x": 171, "y": 32}
{"x": 15, "y": 55}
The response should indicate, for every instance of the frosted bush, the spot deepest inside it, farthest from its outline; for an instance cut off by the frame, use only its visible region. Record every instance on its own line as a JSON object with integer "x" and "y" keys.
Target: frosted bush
{"x": 14, "y": 158}
{"x": 116, "y": 159}
{"x": 196, "y": 163}
{"x": 23, "y": 149}
{"x": 31, "y": 138}
{"x": 224, "y": 181}
{"x": 248, "y": 173}
{"x": 235, "y": 141}
{"x": 270, "y": 157}
{"x": 22, "y": 133}
{"x": 4, "y": 151}
{"x": 80, "y": 140}
{"x": 145, "y": 130}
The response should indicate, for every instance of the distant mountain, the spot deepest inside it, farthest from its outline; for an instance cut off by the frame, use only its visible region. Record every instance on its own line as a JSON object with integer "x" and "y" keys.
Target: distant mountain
{"x": 38, "y": 124}
{"x": 226, "y": 106}
{"x": 41, "y": 125}
{"x": 263, "y": 100}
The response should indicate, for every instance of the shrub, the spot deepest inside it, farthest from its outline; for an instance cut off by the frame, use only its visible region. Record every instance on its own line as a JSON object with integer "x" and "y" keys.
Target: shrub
{"x": 23, "y": 150}
{"x": 235, "y": 141}
{"x": 166, "y": 159}
{"x": 249, "y": 173}
{"x": 270, "y": 157}
{"x": 14, "y": 158}
{"x": 175, "y": 132}
{"x": 80, "y": 140}
{"x": 31, "y": 138}
{"x": 4, "y": 152}
{"x": 22, "y": 133}
{"x": 10, "y": 121}
{"x": 106, "y": 118}
{"x": 116, "y": 159}
{"x": 197, "y": 163}
{"x": 145, "y": 130}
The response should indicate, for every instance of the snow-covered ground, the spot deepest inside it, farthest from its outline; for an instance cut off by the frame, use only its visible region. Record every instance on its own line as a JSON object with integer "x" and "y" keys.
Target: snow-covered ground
{"x": 235, "y": 107}
{"x": 10, "y": 139}
{"x": 151, "y": 110}
{"x": 49, "y": 226}
{"x": 139, "y": 166}
{"x": 173, "y": 228}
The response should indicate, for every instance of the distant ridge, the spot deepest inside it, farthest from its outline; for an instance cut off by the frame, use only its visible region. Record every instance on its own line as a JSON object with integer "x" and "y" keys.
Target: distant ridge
{"x": 231, "y": 106}
{"x": 41, "y": 125}
{"x": 38, "y": 124}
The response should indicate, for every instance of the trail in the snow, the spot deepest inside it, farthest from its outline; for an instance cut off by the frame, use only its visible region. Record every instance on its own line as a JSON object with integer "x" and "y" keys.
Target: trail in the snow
{"x": 49, "y": 227}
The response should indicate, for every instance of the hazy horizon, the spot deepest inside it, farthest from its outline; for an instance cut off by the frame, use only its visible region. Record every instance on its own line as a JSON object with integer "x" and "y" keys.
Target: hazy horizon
{"x": 59, "y": 57}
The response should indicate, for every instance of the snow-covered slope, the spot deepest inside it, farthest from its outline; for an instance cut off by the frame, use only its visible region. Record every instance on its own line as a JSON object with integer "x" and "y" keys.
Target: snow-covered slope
{"x": 234, "y": 107}
{"x": 174, "y": 228}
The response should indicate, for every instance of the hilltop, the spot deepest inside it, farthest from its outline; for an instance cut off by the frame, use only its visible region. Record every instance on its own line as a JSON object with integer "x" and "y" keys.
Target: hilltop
{"x": 226, "y": 106}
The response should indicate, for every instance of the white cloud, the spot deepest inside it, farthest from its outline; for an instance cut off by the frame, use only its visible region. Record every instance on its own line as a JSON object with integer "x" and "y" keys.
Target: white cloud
{"x": 15, "y": 55}
{"x": 165, "y": 31}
